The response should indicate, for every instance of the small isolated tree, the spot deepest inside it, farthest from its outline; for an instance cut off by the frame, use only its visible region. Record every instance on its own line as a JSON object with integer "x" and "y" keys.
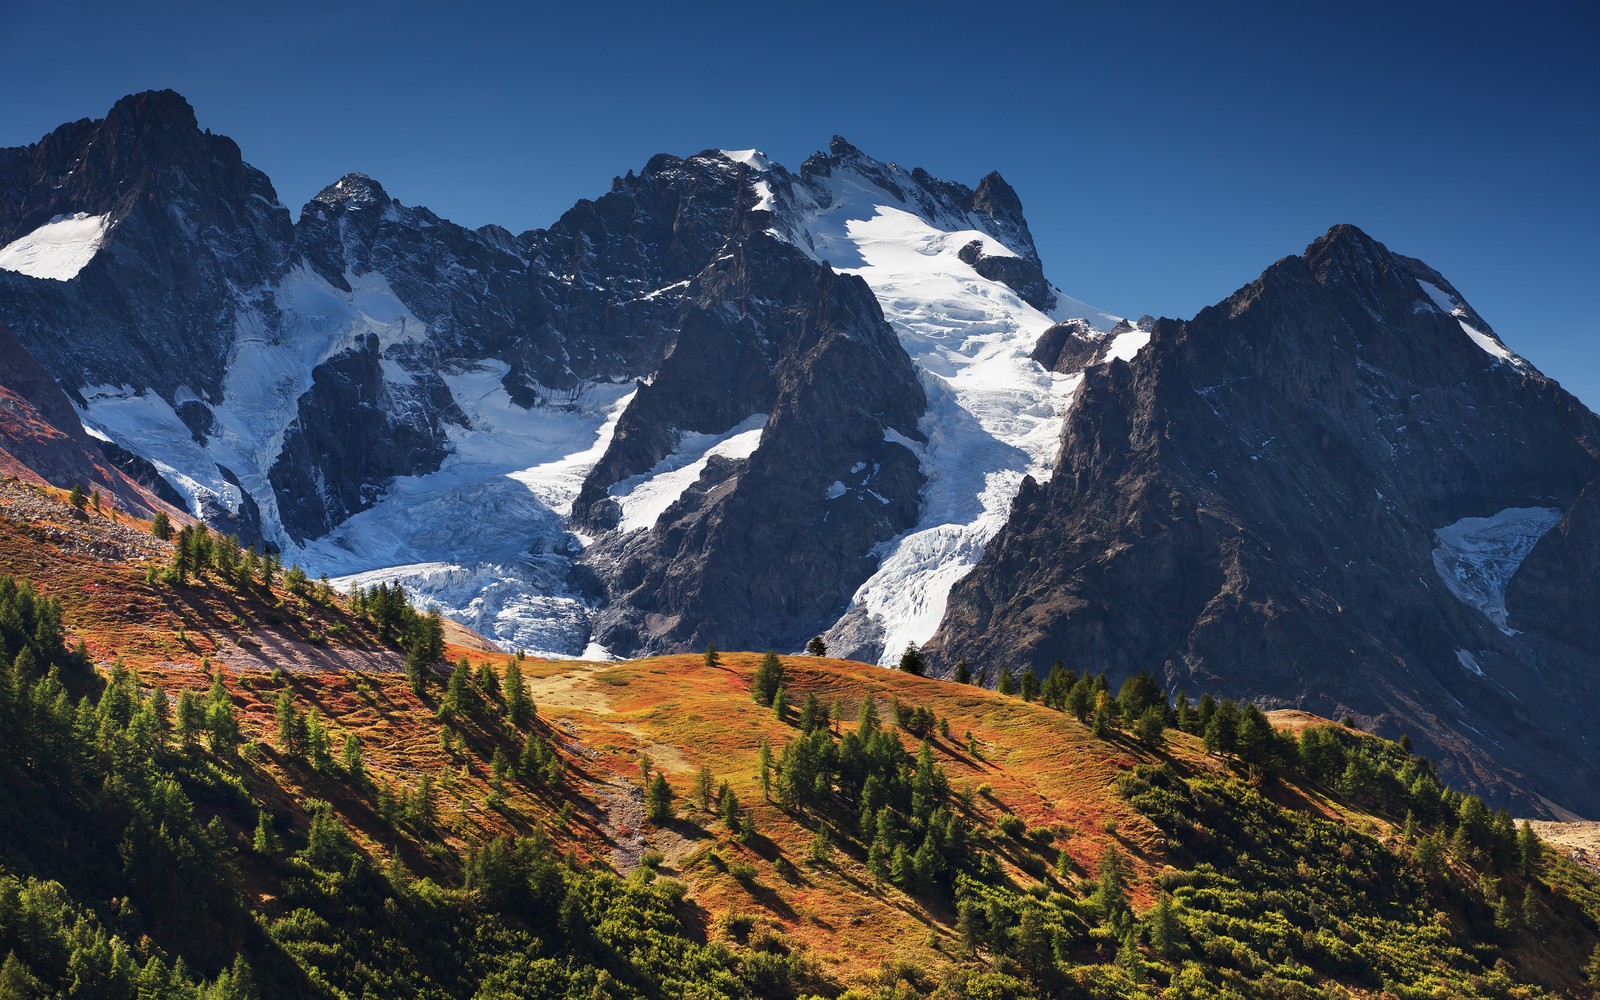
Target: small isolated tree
{"x": 658, "y": 799}
{"x": 911, "y": 661}
{"x": 712, "y": 660}
{"x": 704, "y": 786}
{"x": 768, "y": 679}
{"x": 1007, "y": 684}
{"x": 77, "y": 497}
{"x": 963, "y": 672}
{"x": 161, "y": 526}
{"x": 816, "y": 647}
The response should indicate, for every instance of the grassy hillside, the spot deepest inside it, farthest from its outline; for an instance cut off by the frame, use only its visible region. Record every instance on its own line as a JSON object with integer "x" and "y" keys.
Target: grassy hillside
{"x": 256, "y": 800}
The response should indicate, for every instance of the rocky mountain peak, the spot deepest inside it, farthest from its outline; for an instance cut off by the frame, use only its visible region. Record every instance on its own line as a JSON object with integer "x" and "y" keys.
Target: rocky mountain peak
{"x": 353, "y": 192}
{"x": 154, "y": 111}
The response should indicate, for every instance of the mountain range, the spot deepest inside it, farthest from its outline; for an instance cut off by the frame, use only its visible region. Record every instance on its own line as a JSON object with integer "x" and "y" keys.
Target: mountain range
{"x": 728, "y": 402}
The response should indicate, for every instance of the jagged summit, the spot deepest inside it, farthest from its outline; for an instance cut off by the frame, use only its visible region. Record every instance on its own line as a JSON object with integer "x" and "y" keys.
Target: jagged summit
{"x": 353, "y": 191}
{"x": 151, "y": 110}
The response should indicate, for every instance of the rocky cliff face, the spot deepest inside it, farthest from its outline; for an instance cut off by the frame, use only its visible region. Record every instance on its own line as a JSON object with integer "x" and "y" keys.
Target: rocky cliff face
{"x": 1315, "y": 494}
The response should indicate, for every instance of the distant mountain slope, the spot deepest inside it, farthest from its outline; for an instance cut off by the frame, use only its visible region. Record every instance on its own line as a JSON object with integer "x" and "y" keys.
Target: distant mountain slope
{"x": 42, "y": 441}
{"x": 1323, "y": 493}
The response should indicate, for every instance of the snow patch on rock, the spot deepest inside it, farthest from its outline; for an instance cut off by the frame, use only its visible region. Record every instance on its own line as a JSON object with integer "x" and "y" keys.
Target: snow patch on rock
{"x": 1477, "y": 556}
{"x": 59, "y": 249}
{"x": 645, "y": 498}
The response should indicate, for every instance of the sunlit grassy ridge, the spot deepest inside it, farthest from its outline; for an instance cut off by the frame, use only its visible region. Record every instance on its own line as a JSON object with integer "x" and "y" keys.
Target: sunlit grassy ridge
{"x": 270, "y": 826}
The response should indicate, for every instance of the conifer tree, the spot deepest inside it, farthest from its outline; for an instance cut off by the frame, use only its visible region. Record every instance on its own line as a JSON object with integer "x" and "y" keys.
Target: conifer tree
{"x": 816, "y": 647}
{"x": 161, "y": 526}
{"x": 455, "y": 693}
{"x": 963, "y": 672}
{"x": 768, "y": 679}
{"x": 658, "y": 799}
{"x": 266, "y": 839}
{"x": 911, "y": 661}
{"x": 711, "y": 659}
{"x": 1165, "y": 931}
{"x": 77, "y": 497}
{"x": 704, "y": 786}
{"x": 519, "y": 707}
{"x": 350, "y": 758}
{"x": 220, "y": 720}
{"x": 810, "y": 713}
{"x": 1030, "y": 685}
{"x": 780, "y": 703}
{"x": 1007, "y": 683}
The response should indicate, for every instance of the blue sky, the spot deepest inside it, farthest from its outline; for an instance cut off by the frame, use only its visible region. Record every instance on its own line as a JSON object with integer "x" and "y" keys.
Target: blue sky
{"x": 1165, "y": 153}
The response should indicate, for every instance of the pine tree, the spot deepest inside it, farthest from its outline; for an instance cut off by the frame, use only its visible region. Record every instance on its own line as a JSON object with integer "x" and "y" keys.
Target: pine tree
{"x": 1100, "y": 725}
{"x": 316, "y": 736}
{"x": 350, "y": 759}
{"x": 161, "y": 526}
{"x": 1151, "y": 727}
{"x": 1111, "y": 894}
{"x": 729, "y": 804}
{"x": 711, "y": 659}
{"x": 780, "y": 703}
{"x": 810, "y": 713}
{"x": 1165, "y": 931}
{"x": 704, "y": 786}
{"x": 1007, "y": 684}
{"x": 1030, "y": 685}
{"x": 220, "y": 720}
{"x": 455, "y": 692}
{"x": 288, "y": 724}
{"x": 816, "y": 647}
{"x": 488, "y": 681}
{"x": 1529, "y": 850}
{"x": 190, "y": 717}
{"x": 963, "y": 672}
{"x": 768, "y": 679}
{"x": 77, "y": 497}
{"x": 266, "y": 840}
{"x": 911, "y": 661}
{"x": 519, "y": 708}
{"x": 658, "y": 800}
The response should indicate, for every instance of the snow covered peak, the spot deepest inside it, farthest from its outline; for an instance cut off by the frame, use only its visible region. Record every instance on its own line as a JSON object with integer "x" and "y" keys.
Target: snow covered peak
{"x": 353, "y": 192}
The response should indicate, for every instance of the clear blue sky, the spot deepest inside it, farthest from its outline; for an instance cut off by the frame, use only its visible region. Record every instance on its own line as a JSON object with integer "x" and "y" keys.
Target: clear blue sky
{"x": 1166, "y": 153}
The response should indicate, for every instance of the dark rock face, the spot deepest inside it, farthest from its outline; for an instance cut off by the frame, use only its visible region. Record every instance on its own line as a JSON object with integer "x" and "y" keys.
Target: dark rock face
{"x": 1249, "y": 507}
{"x": 1556, "y": 591}
{"x": 328, "y": 471}
{"x": 723, "y": 561}
{"x": 188, "y": 217}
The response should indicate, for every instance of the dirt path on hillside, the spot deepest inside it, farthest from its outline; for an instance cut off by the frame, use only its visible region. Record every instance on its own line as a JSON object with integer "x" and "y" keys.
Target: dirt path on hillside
{"x": 622, "y": 804}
